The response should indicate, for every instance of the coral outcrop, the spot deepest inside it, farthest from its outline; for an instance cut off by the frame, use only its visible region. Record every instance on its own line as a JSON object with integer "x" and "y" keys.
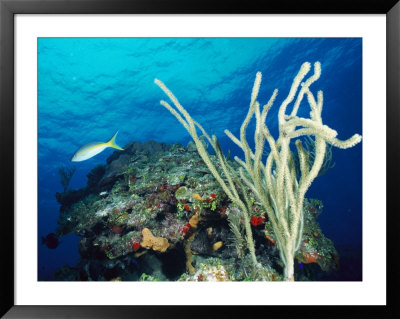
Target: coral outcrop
{"x": 161, "y": 216}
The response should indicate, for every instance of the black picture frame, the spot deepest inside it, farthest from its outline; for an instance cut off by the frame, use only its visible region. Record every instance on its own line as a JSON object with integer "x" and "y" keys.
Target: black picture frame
{"x": 8, "y": 10}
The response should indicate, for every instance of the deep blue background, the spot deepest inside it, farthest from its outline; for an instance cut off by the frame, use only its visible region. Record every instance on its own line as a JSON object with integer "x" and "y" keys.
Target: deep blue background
{"x": 88, "y": 88}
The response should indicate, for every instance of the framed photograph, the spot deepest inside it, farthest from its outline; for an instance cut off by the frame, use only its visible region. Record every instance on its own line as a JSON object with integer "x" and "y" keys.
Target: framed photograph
{"x": 162, "y": 155}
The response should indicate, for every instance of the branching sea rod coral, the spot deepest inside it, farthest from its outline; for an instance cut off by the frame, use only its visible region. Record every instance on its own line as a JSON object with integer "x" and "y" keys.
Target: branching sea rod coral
{"x": 66, "y": 173}
{"x": 274, "y": 181}
{"x": 229, "y": 187}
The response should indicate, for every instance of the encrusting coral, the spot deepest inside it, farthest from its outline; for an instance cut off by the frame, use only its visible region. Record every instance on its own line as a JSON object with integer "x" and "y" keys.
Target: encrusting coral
{"x": 274, "y": 182}
{"x": 150, "y": 241}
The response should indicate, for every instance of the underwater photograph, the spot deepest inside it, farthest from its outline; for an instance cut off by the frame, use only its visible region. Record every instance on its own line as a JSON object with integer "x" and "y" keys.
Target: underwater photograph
{"x": 199, "y": 159}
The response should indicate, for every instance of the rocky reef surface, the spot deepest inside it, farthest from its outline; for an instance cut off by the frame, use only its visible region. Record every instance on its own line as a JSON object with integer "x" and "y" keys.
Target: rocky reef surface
{"x": 154, "y": 212}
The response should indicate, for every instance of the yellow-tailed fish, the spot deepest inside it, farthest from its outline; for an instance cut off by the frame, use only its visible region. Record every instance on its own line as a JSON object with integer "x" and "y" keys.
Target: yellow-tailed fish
{"x": 89, "y": 150}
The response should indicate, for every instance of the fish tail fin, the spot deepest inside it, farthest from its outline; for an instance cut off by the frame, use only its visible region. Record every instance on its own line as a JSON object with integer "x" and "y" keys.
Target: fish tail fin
{"x": 43, "y": 240}
{"x": 111, "y": 143}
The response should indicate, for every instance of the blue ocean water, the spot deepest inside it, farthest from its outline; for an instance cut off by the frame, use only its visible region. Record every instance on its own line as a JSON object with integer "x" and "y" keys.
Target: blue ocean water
{"x": 88, "y": 88}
